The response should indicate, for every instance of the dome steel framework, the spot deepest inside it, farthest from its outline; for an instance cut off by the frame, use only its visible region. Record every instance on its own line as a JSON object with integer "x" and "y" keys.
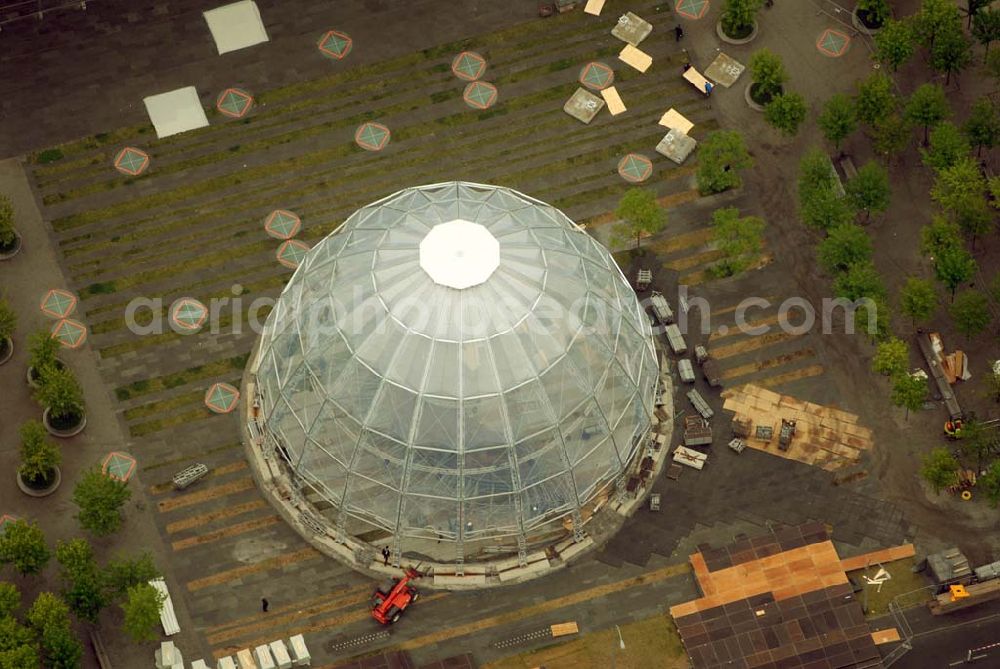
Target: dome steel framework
{"x": 490, "y": 413}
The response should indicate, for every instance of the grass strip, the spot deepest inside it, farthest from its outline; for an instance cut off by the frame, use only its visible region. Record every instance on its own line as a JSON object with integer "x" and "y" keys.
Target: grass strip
{"x": 176, "y": 379}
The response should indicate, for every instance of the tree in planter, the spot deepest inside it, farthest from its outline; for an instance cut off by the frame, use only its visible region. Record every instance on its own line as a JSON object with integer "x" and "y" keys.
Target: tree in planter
{"x": 927, "y": 107}
{"x": 892, "y": 357}
{"x": 739, "y": 239}
{"x": 83, "y": 587}
{"x": 42, "y": 350}
{"x": 909, "y": 392}
{"x": 8, "y": 323}
{"x": 838, "y": 119}
{"x": 61, "y": 394}
{"x": 873, "y": 13}
{"x": 641, "y": 215}
{"x": 100, "y": 499}
{"x": 722, "y": 155}
{"x": 142, "y": 612}
{"x": 845, "y": 245}
{"x": 953, "y": 266}
{"x": 895, "y": 43}
{"x": 49, "y": 617}
{"x": 983, "y": 125}
{"x": 940, "y": 469}
{"x": 8, "y": 234}
{"x": 768, "y": 75}
{"x": 738, "y": 17}
{"x": 946, "y": 147}
{"x": 970, "y": 311}
{"x": 23, "y": 545}
{"x": 39, "y": 456}
{"x": 951, "y": 53}
{"x": 786, "y": 112}
{"x": 869, "y": 190}
{"x": 874, "y": 99}
{"x": 918, "y": 299}
{"x": 986, "y": 28}
{"x": 858, "y": 281}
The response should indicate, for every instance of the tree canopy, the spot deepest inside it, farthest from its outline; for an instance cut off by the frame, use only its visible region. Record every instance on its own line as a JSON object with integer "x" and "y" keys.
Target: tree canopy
{"x": 641, "y": 215}
{"x": 940, "y": 469}
{"x": 869, "y": 190}
{"x": 22, "y": 545}
{"x": 722, "y": 155}
{"x": 892, "y": 357}
{"x": 845, "y": 245}
{"x": 918, "y": 299}
{"x": 100, "y": 500}
{"x": 927, "y": 106}
{"x": 786, "y": 112}
{"x": 971, "y": 312}
{"x": 739, "y": 239}
{"x": 895, "y": 43}
{"x": 946, "y": 147}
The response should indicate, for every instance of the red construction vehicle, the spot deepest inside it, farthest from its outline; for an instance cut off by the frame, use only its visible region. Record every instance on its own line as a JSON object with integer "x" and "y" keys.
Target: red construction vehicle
{"x": 387, "y": 607}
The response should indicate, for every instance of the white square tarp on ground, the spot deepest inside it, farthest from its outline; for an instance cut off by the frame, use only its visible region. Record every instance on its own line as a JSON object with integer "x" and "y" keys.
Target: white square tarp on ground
{"x": 236, "y": 26}
{"x": 175, "y": 112}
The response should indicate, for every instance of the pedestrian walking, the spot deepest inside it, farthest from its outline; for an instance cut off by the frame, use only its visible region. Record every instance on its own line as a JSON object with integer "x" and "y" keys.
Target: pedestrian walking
{"x": 678, "y": 32}
{"x": 385, "y": 555}
{"x": 264, "y": 604}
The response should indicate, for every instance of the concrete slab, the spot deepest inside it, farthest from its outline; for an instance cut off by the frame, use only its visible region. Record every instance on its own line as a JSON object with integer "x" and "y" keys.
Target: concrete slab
{"x": 724, "y": 70}
{"x": 176, "y": 111}
{"x": 583, "y": 105}
{"x": 236, "y": 26}
{"x": 676, "y": 146}
{"x": 632, "y": 28}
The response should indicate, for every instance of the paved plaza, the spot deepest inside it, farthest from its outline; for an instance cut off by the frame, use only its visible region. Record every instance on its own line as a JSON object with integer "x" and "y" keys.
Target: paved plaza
{"x": 213, "y": 215}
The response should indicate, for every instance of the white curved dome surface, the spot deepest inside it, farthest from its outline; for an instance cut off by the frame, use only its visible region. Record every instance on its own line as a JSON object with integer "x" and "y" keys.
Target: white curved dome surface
{"x": 457, "y": 413}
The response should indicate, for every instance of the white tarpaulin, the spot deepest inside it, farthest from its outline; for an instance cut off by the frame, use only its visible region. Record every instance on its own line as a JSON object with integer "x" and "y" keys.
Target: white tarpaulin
{"x": 175, "y": 112}
{"x": 236, "y": 26}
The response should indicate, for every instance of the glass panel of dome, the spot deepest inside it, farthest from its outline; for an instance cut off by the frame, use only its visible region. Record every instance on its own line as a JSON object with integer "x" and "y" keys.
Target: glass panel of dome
{"x": 541, "y": 344}
{"x": 429, "y": 516}
{"x": 485, "y": 516}
{"x": 411, "y": 361}
{"x": 598, "y": 465}
{"x": 371, "y": 500}
{"x": 479, "y": 377}
{"x": 300, "y": 395}
{"x": 379, "y": 459}
{"x": 355, "y": 388}
{"x": 615, "y": 394}
{"x": 380, "y": 348}
{"x": 624, "y": 436}
{"x": 564, "y": 387}
{"x": 433, "y": 473}
{"x": 437, "y": 423}
{"x": 336, "y": 433}
{"x": 583, "y": 430}
{"x": 528, "y": 410}
{"x": 393, "y": 411}
{"x": 484, "y": 423}
{"x": 540, "y": 457}
{"x": 327, "y": 357}
{"x": 487, "y": 472}
{"x": 443, "y": 373}
{"x": 552, "y": 496}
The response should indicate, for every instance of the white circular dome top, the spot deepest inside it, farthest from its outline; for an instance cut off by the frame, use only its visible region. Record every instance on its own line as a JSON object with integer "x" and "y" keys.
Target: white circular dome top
{"x": 459, "y": 254}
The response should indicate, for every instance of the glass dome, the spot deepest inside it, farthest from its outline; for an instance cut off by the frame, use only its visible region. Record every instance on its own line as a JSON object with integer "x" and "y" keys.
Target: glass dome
{"x": 457, "y": 362}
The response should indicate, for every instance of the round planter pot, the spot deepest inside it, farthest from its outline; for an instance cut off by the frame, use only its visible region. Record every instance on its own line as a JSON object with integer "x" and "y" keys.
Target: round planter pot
{"x": 43, "y": 492}
{"x": 750, "y": 103}
{"x": 29, "y": 375}
{"x": 860, "y": 26}
{"x": 11, "y": 252}
{"x": 8, "y": 350}
{"x": 67, "y": 433}
{"x": 730, "y": 40}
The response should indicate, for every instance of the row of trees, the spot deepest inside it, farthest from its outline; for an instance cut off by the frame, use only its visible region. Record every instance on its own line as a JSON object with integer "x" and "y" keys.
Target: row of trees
{"x": 86, "y": 588}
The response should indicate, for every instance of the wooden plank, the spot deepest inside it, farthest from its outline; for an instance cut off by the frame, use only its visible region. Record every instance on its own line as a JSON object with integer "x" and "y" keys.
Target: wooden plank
{"x": 563, "y": 629}
{"x": 594, "y": 7}
{"x": 636, "y": 58}
{"x": 615, "y": 104}
{"x": 875, "y": 557}
{"x": 674, "y": 119}
{"x": 885, "y": 636}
